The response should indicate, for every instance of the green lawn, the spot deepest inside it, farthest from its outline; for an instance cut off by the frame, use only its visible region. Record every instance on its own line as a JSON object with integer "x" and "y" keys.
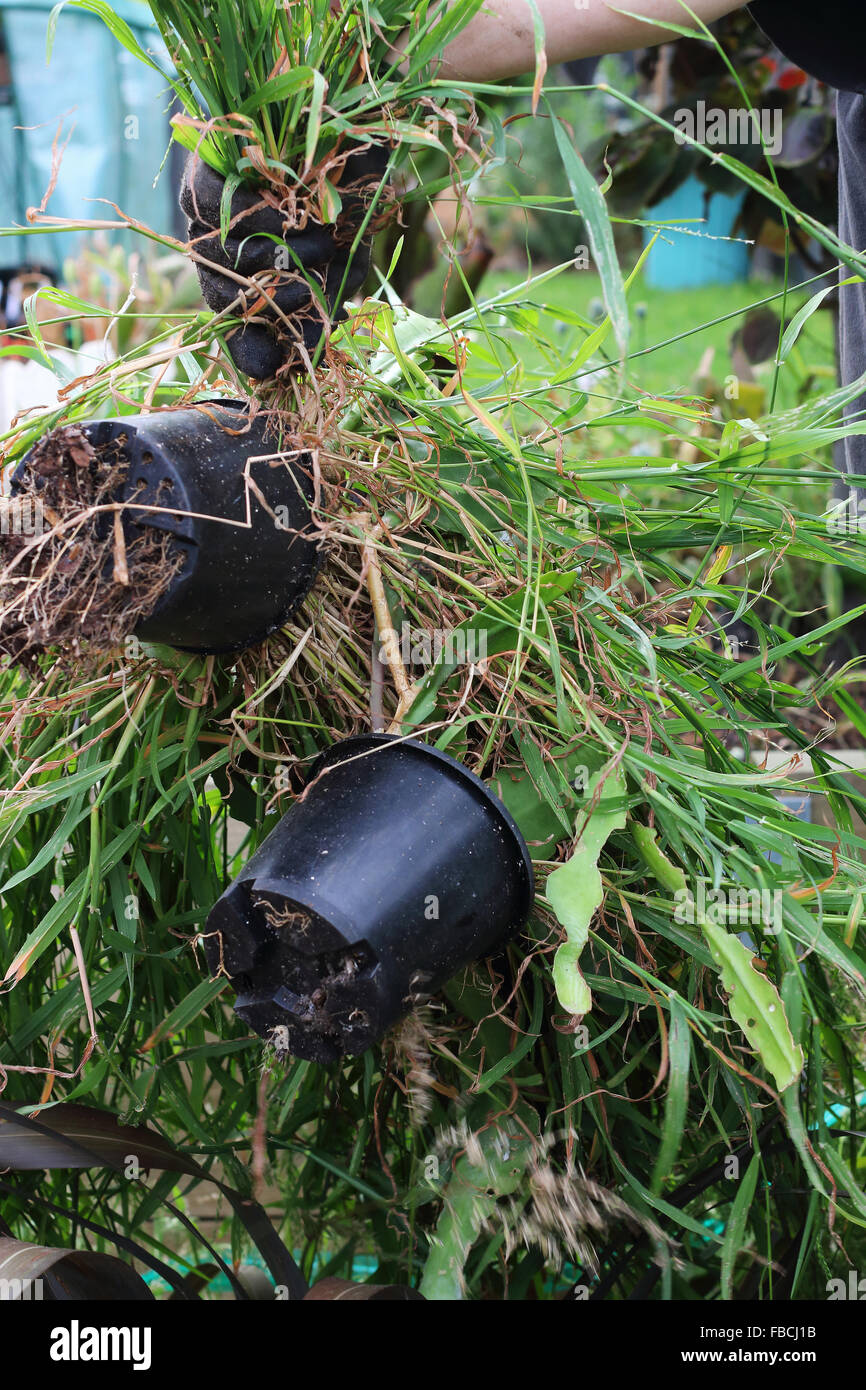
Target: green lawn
{"x": 689, "y": 322}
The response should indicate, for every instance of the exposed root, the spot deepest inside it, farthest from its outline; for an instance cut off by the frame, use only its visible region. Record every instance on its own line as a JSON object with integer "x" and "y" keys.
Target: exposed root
{"x": 293, "y": 919}
{"x": 75, "y": 576}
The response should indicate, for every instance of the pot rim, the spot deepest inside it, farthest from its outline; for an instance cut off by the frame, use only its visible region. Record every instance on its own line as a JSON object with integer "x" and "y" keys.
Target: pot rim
{"x": 331, "y": 757}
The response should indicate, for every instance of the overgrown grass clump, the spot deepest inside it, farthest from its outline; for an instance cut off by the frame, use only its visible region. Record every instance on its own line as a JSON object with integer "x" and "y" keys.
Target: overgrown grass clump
{"x": 551, "y": 1118}
{"x": 268, "y": 89}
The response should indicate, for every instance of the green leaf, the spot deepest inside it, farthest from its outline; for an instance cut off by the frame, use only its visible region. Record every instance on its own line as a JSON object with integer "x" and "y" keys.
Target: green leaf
{"x": 803, "y": 314}
{"x": 539, "y": 821}
{"x": 590, "y": 204}
{"x": 735, "y": 1230}
{"x": 493, "y": 1166}
{"x": 755, "y": 1005}
{"x": 575, "y": 890}
{"x": 314, "y": 117}
{"x": 278, "y": 88}
{"x": 230, "y": 187}
{"x": 331, "y": 202}
{"x": 188, "y": 1009}
{"x": 677, "y": 1099}
{"x": 118, "y": 27}
{"x": 203, "y": 145}
{"x": 63, "y": 911}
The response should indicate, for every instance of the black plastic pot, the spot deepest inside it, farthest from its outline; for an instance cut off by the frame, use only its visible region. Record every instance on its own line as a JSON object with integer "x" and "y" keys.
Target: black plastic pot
{"x": 396, "y": 867}
{"x": 238, "y": 583}
{"x": 258, "y": 231}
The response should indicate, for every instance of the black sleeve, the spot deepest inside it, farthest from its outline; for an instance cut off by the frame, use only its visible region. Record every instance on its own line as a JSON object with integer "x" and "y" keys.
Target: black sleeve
{"x": 826, "y": 39}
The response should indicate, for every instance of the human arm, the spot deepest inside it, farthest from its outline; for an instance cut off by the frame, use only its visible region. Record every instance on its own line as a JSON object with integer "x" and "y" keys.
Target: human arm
{"x": 499, "y": 41}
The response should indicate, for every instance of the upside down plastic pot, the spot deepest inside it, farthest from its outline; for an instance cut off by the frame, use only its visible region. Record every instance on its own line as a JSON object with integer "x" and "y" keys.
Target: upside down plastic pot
{"x": 395, "y": 867}
{"x": 238, "y": 582}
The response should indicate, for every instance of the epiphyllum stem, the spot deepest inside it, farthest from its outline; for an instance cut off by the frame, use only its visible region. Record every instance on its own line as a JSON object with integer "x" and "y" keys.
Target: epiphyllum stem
{"x": 385, "y": 627}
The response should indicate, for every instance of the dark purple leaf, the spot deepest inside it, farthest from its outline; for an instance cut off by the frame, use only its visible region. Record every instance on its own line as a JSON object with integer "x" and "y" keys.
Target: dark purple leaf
{"x": 34, "y": 1272}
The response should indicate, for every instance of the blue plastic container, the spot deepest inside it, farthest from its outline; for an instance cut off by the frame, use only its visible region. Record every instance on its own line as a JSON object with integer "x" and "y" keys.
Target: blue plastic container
{"x": 117, "y": 106}
{"x": 697, "y": 254}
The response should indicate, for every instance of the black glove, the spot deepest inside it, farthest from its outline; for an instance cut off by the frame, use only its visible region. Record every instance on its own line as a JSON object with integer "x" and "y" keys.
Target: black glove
{"x": 265, "y": 344}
